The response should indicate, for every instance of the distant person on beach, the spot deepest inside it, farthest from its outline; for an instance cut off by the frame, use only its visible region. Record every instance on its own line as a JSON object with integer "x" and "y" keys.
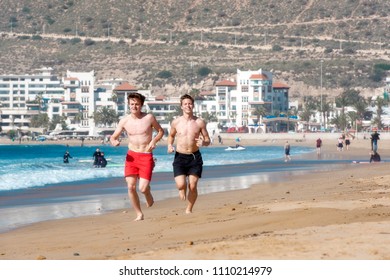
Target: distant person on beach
{"x": 340, "y": 144}
{"x": 287, "y": 156}
{"x": 190, "y": 133}
{"x": 347, "y": 142}
{"x": 318, "y": 145}
{"x": 220, "y": 139}
{"x": 139, "y": 159}
{"x": 374, "y": 141}
{"x": 66, "y": 157}
{"x": 375, "y": 157}
{"x": 96, "y": 155}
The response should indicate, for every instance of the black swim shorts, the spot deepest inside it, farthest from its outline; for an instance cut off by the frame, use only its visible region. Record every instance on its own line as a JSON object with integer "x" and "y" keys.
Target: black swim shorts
{"x": 188, "y": 164}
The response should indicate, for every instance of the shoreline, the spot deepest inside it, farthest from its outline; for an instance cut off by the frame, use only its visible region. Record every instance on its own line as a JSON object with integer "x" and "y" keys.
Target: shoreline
{"x": 320, "y": 216}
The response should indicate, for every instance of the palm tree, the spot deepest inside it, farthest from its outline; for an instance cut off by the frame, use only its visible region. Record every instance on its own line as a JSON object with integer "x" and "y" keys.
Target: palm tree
{"x": 347, "y": 97}
{"x": 105, "y": 116}
{"x": 259, "y": 111}
{"x": 361, "y": 109}
{"x": 114, "y": 97}
{"x": 40, "y": 120}
{"x": 232, "y": 116}
{"x": 209, "y": 117}
{"x": 58, "y": 120}
{"x": 309, "y": 106}
{"x": 339, "y": 121}
{"x": 353, "y": 117}
{"x": 39, "y": 100}
{"x": 310, "y": 103}
{"x": 305, "y": 115}
{"x": 325, "y": 109}
{"x": 342, "y": 101}
{"x": 379, "y": 102}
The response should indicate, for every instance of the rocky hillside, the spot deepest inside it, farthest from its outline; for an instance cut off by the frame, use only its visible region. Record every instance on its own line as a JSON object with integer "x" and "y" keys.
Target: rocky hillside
{"x": 166, "y": 44}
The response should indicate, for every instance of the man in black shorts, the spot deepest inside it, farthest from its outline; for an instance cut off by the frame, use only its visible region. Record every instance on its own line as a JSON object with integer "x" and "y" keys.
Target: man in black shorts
{"x": 190, "y": 133}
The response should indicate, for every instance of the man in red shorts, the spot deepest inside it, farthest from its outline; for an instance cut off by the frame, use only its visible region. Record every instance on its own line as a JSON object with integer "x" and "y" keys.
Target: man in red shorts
{"x": 139, "y": 159}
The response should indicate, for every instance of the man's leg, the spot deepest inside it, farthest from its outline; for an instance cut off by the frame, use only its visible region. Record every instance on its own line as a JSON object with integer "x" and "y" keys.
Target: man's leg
{"x": 133, "y": 196}
{"x": 192, "y": 192}
{"x": 144, "y": 187}
{"x": 181, "y": 184}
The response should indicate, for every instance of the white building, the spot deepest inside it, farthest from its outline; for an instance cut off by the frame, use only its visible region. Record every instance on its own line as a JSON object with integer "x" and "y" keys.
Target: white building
{"x": 237, "y": 101}
{"x": 79, "y": 102}
{"x": 387, "y": 88}
{"x": 77, "y": 96}
{"x": 23, "y": 96}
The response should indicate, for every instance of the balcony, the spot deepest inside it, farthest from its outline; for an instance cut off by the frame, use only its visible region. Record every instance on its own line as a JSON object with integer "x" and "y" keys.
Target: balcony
{"x": 71, "y": 111}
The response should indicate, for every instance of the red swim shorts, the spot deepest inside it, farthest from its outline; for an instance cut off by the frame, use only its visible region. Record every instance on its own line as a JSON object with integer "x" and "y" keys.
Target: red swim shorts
{"x": 140, "y": 164}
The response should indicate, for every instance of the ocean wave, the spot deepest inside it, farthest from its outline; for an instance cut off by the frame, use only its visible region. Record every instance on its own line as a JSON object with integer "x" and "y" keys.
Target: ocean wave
{"x": 23, "y": 167}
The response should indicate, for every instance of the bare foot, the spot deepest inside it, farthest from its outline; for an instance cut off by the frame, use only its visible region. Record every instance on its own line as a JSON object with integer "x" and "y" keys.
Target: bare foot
{"x": 188, "y": 211}
{"x": 139, "y": 218}
{"x": 182, "y": 194}
{"x": 149, "y": 200}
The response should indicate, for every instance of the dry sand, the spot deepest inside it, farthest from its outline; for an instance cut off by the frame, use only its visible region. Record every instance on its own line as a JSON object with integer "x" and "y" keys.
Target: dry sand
{"x": 336, "y": 215}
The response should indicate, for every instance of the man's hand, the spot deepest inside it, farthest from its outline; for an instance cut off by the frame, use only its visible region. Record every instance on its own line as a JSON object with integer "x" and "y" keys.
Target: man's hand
{"x": 151, "y": 146}
{"x": 114, "y": 142}
{"x": 199, "y": 141}
{"x": 171, "y": 149}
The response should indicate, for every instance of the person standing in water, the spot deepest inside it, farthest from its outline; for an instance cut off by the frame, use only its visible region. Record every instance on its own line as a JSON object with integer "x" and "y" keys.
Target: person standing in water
{"x": 318, "y": 145}
{"x": 139, "y": 159}
{"x": 190, "y": 133}
{"x": 67, "y": 156}
{"x": 287, "y": 156}
{"x": 96, "y": 155}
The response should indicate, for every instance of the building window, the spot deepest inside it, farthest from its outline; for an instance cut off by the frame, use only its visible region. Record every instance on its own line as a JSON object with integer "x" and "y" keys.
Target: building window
{"x": 244, "y": 88}
{"x": 221, "y": 90}
{"x": 244, "y": 99}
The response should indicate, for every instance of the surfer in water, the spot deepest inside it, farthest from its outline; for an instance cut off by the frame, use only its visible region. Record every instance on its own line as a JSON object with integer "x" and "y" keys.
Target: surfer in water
{"x": 66, "y": 157}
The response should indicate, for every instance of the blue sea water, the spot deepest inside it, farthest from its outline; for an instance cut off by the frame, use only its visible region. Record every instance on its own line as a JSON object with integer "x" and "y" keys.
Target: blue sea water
{"x": 32, "y": 166}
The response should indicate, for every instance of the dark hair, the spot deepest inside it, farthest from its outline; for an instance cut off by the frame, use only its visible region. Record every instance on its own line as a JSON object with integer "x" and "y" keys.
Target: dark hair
{"x": 186, "y": 96}
{"x": 136, "y": 95}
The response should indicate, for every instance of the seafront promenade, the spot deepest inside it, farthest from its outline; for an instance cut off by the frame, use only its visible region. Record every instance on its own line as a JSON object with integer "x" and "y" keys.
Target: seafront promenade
{"x": 228, "y": 138}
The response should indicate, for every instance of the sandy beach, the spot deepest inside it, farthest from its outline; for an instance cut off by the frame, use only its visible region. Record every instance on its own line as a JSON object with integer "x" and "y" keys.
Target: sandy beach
{"x": 342, "y": 214}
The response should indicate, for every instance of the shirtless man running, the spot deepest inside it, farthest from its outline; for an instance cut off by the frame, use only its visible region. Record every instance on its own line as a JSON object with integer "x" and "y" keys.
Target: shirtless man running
{"x": 190, "y": 133}
{"x": 139, "y": 159}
